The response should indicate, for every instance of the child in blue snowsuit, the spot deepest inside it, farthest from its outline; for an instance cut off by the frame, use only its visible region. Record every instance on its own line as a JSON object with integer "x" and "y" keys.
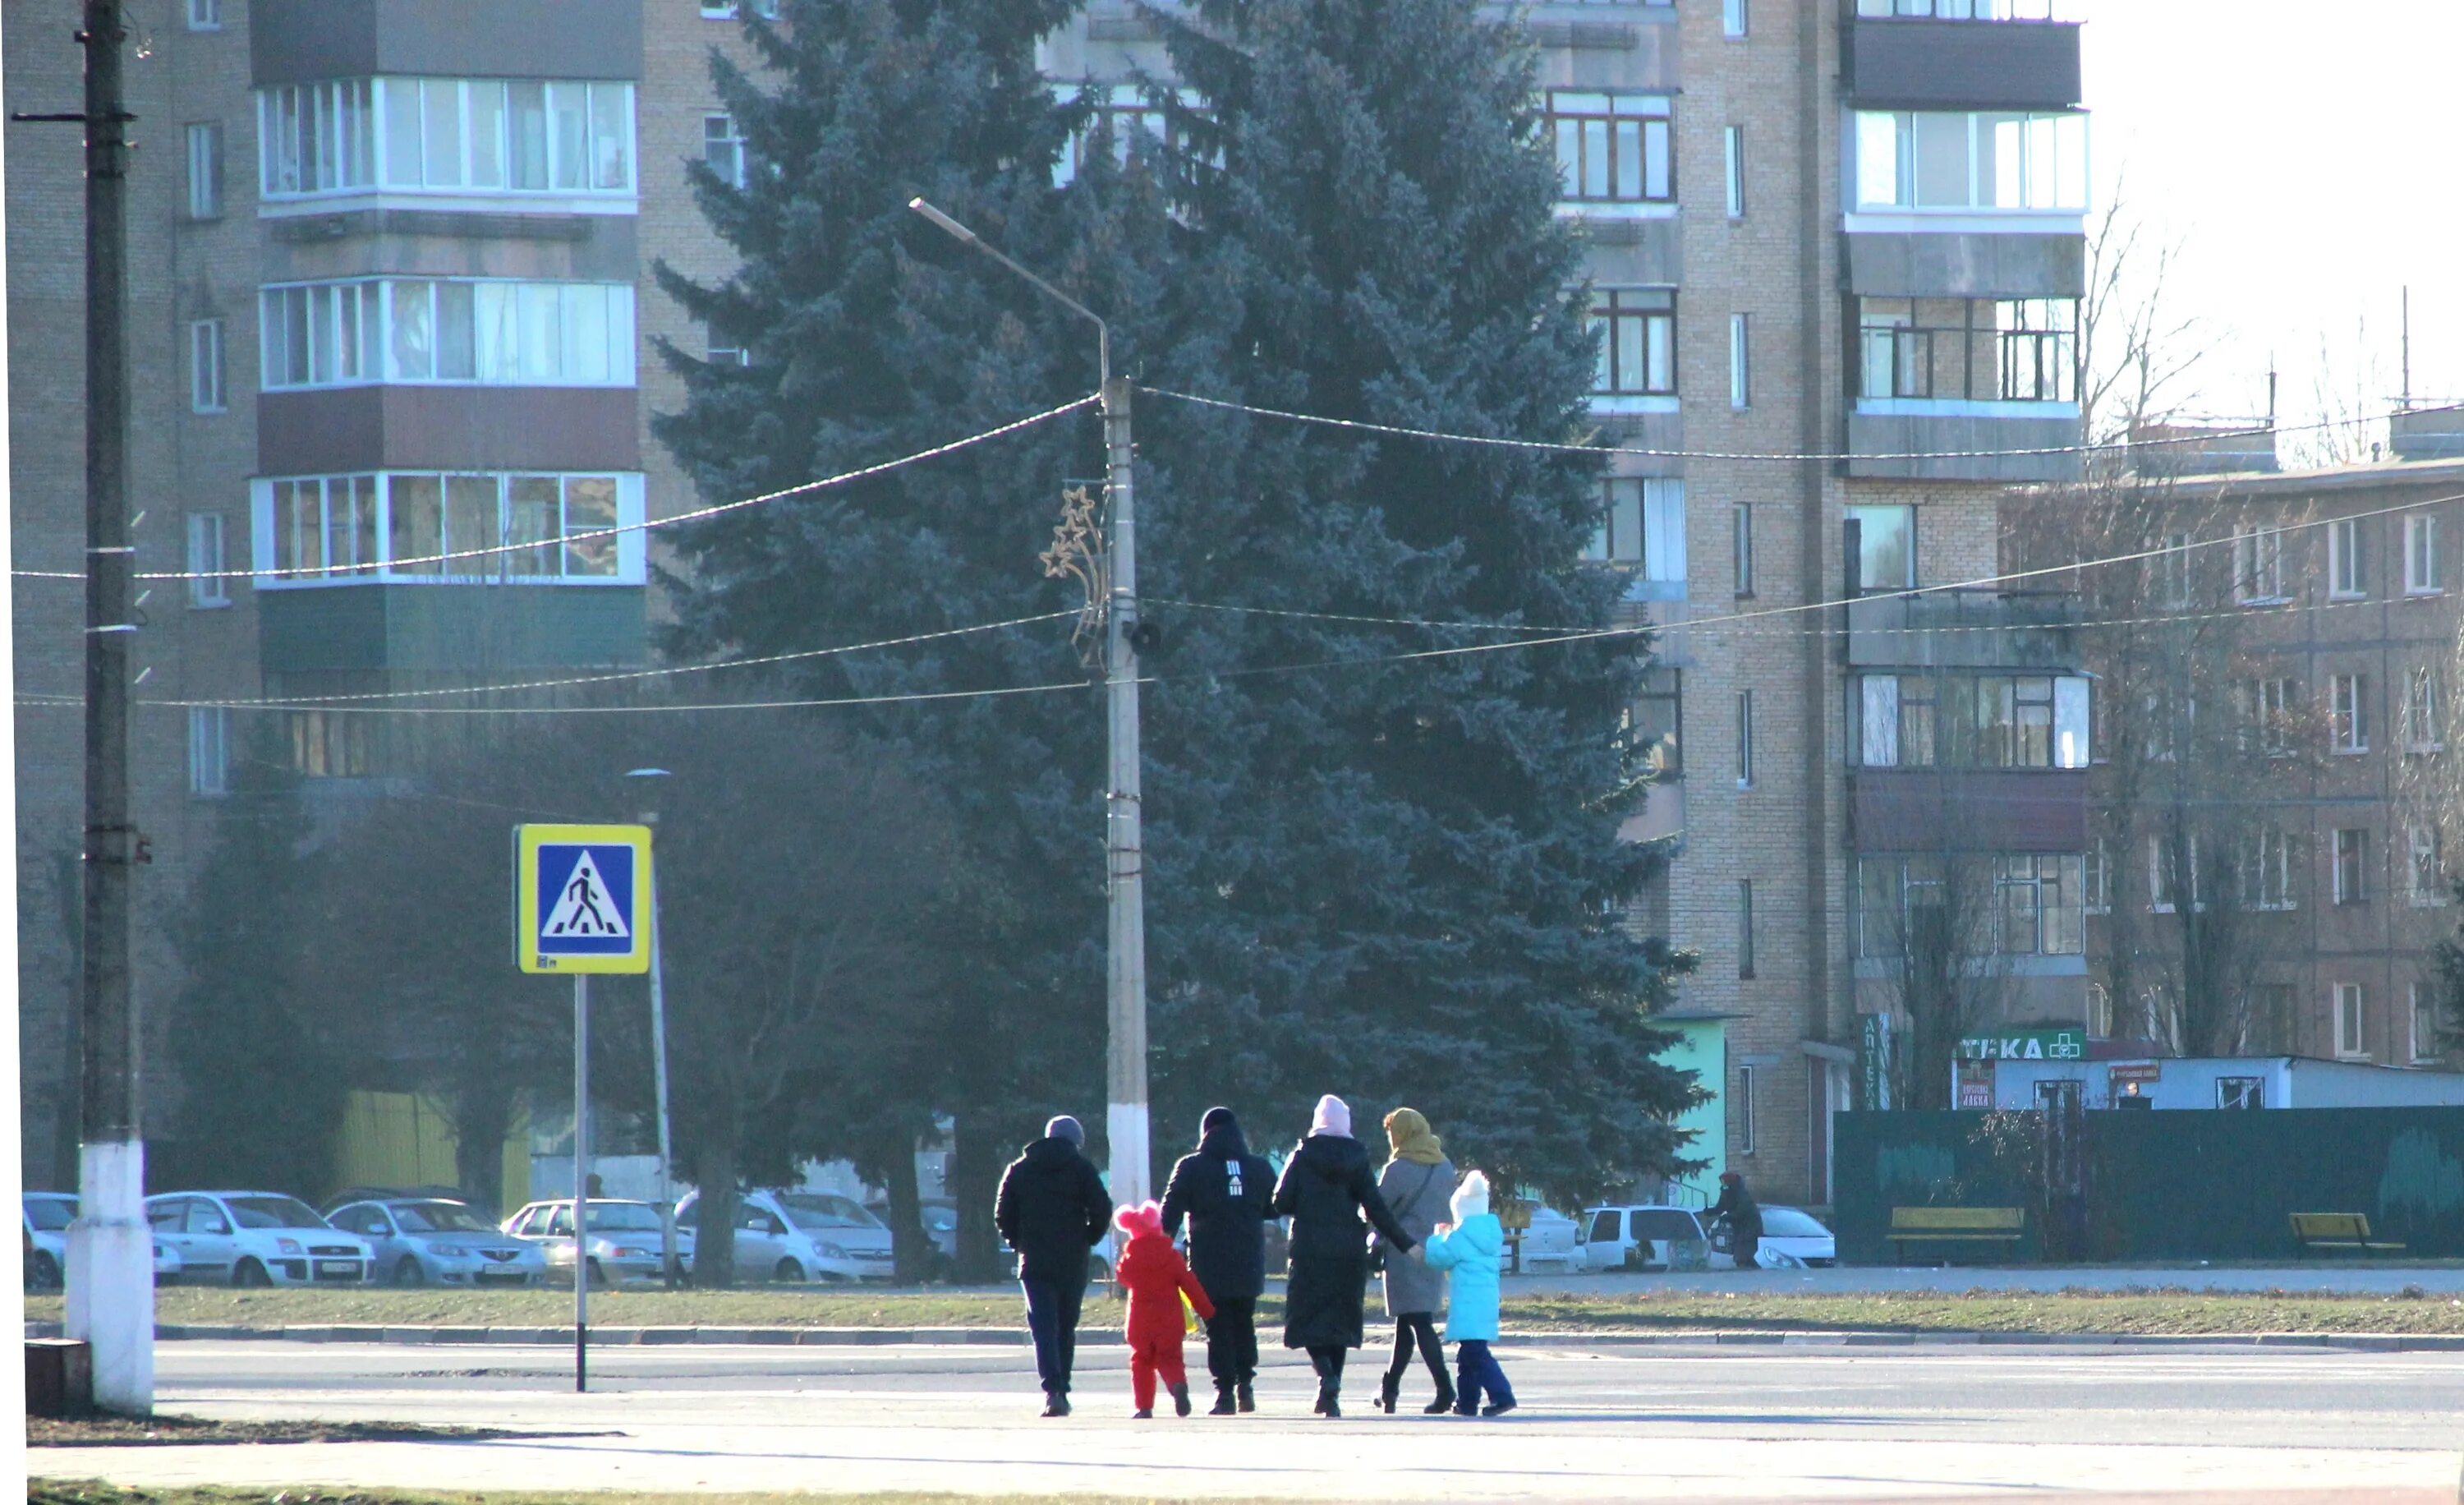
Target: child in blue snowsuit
{"x": 1472, "y": 1247}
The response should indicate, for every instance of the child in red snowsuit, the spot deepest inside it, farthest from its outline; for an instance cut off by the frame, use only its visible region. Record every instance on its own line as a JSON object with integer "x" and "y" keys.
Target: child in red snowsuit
{"x": 1156, "y": 1276}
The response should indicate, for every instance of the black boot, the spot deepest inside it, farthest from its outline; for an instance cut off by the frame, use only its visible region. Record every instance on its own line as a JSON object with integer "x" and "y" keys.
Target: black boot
{"x": 1445, "y": 1401}
{"x": 1223, "y": 1400}
{"x": 1180, "y": 1398}
{"x": 1247, "y": 1397}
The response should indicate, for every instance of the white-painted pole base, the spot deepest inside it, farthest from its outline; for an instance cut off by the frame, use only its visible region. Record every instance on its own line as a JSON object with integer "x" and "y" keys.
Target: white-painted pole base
{"x": 1124, "y": 1124}
{"x": 110, "y": 1275}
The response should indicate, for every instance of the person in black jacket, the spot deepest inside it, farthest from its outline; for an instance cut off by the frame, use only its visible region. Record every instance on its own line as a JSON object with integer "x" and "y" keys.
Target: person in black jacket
{"x": 1226, "y": 1193}
{"x": 1053, "y": 1208}
{"x": 1744, "y": 1219}
{"x": 1326, "y": 1189}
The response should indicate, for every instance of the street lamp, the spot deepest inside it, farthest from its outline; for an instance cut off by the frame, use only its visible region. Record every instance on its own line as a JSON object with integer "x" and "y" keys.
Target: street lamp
{"x": 1125, "y": 1119}
{"x": 659, "y": 1040}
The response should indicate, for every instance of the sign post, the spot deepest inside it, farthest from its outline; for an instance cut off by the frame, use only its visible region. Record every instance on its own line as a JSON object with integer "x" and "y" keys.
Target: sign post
{"x": 582, "y": 905}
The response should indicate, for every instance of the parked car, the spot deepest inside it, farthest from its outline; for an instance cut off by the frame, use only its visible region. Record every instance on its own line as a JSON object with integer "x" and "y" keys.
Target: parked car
{"x": 421, "y": 1239}
{"x": 1552, "y": 1241}
{"x": 625, "y": 1238}
{"x": 1792, "y": 1238}
{"x": 941, "y": 1218}
{"x": 1645, "y": 1237}
{"x": 798, "y": 1236}
{"x": 256, "y": 1239}
{"x": 47, "y": 1217}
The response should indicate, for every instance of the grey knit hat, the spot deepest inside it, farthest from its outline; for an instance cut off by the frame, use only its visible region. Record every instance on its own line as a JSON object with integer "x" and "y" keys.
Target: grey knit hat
{"x": 1066, "y": 1127}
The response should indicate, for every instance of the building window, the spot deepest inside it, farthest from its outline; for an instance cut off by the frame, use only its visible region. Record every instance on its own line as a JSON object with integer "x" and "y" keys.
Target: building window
{"x": 1745, "y": 738}
{"x": 1968, "y": 349}
{"x": 2099, "y": 1011}
{"x": 204, "y": 15}
{"x": 725, "y": 10}
{"x": 1128, "y": 114}
{"x": 2426, "y": 1043}
{"x": 329, "y": 744}
{"x": 2266, "y": 868}
{"x": 204, "y": 174}
{"x": 1741, "y": 349}
{"x": 721, "y": 350}
{"x": 2164, "y": 868}
{"x": 316, "y": 530}
{"x": 2096, "y": 892}
{"x": 723, "y": 149}
{"x": 2348, "y": 1019}
{"x": 2241, "y": 1092}
{"x": 1653, "y": 732}
{"x": 2349, "y": 729}
{"x": 2423, "y": 693}
{"x": 2258, "y": 565}
{"x": 1744, "y": 927}
{"x": 2035, "y": 898}
{"x": 1636, "y": 328}
{"x": 2037, "y": 913}
{"x": 2421, "y": 555}
{"x": 1641, "y": 525}
{"x": 1885, "y": 552}
{"x": 2266, "y": 709}
{"x": 462, "y": 135}
{"x": 419, "y": 329}
{"x": 208, "y": 750}
{"x": 1732, "y": 18}
{"x": 207, "y": 561}
{"x": 1970, "y": 720}
{"x": 1732, "y": 141}
{"x": 2351, "y": 853}
{"x": 1613, "y": 148}
{"x": 206, "y": 366}
{"x": 1947, "y": 160}
{"x": 1746, "y": 1106}
{"x": 2346, "y": 580}
{"x": 2172, "y": 571}
{"x": 2426, "y": 865}
{"x": 1745, "y": 548}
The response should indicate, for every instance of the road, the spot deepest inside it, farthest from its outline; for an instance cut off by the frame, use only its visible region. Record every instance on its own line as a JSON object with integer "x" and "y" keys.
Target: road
{"x": 1666, "y": 1424}
{"x": 2342, "y": 1278}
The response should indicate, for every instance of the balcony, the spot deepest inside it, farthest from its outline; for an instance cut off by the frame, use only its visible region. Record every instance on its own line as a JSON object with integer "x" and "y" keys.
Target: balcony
{"x": 305, "y": 41}
{"x": 1966, "y": 628}
{"x": 448, "y": 428}
{"x": 1930, "y": 55}
{"x": 1967, "y": 810}
{"x": 491, "y": 630}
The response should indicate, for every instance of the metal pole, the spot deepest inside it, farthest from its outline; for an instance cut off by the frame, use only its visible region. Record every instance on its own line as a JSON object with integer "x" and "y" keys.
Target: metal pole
{"x": 659, "y": 1082}
{"x": 1126, "y": 1076}
{"x": 580, "y": 1182}
{"x": 111, "y": 1267}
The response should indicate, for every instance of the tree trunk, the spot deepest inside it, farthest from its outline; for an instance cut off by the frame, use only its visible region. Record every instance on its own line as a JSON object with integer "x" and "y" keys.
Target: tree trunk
{"x": 976, "y": 1164}
{"x": 714, "y": 1214}
{"x": 911, "y": 1247}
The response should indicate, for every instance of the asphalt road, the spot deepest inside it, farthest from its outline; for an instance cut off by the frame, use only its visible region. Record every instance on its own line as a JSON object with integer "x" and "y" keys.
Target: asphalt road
{"x": 1667, "y": 1424}
{"x": 2342, "y": 1277}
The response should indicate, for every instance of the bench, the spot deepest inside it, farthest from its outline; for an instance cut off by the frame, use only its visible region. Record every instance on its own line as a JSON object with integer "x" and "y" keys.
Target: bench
{"x": 2339, "y": 1230}
{"x": 1957, "y": 1225}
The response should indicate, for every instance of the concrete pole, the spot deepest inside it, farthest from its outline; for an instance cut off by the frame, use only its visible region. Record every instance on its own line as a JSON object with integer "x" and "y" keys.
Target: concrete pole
{"x": 111, "y": 1252}
{"x": 580, "y": 1182}
{"x": 659, "y": 1084}
{"x": 1126, "y": 1076}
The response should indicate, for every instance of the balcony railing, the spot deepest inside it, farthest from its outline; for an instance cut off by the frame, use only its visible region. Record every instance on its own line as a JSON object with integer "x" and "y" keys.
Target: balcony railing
{"x": 1971, "y": 627}
{"x": 1967, "y": 9}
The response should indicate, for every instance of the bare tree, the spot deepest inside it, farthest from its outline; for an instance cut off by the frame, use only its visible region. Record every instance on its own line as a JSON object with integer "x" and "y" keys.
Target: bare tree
{"x": 2137, "y": 348}
{"x": 1934, "y": 918}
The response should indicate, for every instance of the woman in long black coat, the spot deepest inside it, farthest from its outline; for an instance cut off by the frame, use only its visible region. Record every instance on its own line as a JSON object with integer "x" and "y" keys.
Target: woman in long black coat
{"x": 1328, "y": 1190}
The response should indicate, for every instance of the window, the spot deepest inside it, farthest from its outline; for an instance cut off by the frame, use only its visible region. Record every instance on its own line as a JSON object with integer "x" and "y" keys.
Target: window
{"x": 205, "y": 365}
{"x": 1613, "y": 148}
{"x": 2351, "y": 850}
{"x": 520, "y": 527}
{"x": 722, "y": 350}
{"x": 1741, "y": 381}
{"x": 207, "y": 561}
{"x": 2266, "y": 868}
{"x": 2349, "y": 729}
{"x": 463, "y": 136}
{"x": 1744, "y": 927}
{"x": 1127, "y": 114}
{"x": 723, "y": 149}
{"x": 2099, "y": 1011}
{"x": 1885, "y": 548}
{"x": 419, "y": 329}
{"x": 2164, "y": 865}
{"x": 2427, "y": 866}
{"x": 1745, "y": 548}
{"x": 204, "y": 15}
{"x": 2241, "y": 1092}
{"x": 2258, "y": 564}
{"x": 2173, "y": 571}
{"x": 1746, "y": 1109}
{"x": 2266, "y": 709}
{"x": 2422, "y": 694}
{"x": 1967, "y": 9}
{"x": 329, "y": 744}
{"x": 1745, "y": 738}
{"x": 208, "y": 750}
{"x": 1653, "y": 726}
{"x": 2426, "y": 1044}
{"x": 2096, "y": 892}
{"x": 2346, "y": 579}
{"x": 725, "y": 10}
{"x": 2347, "y": 998}
{"x": 205, "y": 169}
{"x": 1636, "y": 328}
{"x": 1968, "y": 349}
{"x": 1732, "y": 151}
{"x": 2421, "y": 555}
{"x": 1970, "y": 720}
{"x": 1983, "y": 161}
{"x": 1732, "y": 18}
{"x": 1642, "y": 523}
{"x": 2035, "y": 905}
{"x": 2038, "y": 908}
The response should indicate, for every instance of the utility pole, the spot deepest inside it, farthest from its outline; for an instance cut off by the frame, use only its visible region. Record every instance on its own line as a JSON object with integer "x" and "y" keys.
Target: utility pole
{"x": 659, "y": 1058}
{"x": 111, "y": 1263}
{"x": 1125, "y": 1075}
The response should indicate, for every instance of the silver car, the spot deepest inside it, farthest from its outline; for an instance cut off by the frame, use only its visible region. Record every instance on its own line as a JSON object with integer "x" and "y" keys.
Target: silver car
{"x": 796, "y": 1236}
{"x": 624, "y": 1238}
{"x": 423, "y": 1239}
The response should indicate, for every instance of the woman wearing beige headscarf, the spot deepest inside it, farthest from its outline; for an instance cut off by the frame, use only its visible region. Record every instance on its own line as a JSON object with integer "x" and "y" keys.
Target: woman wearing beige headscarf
{"x": 1416, "y": 1185}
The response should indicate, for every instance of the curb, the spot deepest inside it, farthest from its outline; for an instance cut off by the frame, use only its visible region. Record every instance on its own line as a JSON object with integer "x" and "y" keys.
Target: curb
{"x": 1015, "y": 1337}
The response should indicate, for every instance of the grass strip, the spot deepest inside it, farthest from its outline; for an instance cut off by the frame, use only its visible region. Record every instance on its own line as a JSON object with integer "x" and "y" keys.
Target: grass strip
{"x": 154, "y": 1431}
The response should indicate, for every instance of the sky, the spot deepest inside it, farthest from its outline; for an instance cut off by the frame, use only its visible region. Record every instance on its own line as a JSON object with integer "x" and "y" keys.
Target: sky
{"x": 2309, "y": 168}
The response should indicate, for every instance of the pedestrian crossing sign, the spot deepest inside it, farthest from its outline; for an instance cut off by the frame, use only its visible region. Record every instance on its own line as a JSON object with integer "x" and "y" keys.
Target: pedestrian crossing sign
{"x": 581, "y": 898}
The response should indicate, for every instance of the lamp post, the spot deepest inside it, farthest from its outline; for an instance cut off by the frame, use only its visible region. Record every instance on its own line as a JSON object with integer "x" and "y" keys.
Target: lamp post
{"x": 1125, "y": 1119}
{"x": 659, "y": 1042}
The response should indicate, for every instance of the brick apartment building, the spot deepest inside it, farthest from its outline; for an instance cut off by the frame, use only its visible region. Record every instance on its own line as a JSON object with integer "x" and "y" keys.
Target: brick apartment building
{"x": 392, "y": 299}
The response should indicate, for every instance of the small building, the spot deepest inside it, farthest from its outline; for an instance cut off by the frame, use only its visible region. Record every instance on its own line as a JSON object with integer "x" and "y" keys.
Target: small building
{"x": 2259, "y": 1081}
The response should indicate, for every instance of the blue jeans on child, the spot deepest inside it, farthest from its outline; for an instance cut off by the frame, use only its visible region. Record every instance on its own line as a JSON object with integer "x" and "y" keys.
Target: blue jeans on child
{"x": 1476, "y": 1371}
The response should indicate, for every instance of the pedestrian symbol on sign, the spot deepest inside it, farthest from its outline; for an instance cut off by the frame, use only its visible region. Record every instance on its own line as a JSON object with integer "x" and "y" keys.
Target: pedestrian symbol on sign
{"x": 586, "y": 907}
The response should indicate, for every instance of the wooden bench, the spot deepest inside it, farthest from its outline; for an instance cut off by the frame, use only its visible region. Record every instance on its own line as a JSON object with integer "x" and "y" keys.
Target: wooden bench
{"x": 2339, "y": 1230}
{"x": 1957, "y": 1225}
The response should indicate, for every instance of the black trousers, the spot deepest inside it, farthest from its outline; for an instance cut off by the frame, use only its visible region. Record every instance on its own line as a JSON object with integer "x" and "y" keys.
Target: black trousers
{"x": 1419, "y": 1330}
{"x": 1328, "y": 1361}
{"x": 1052, "y": 1317}
{"x": 1232, "y": 1342}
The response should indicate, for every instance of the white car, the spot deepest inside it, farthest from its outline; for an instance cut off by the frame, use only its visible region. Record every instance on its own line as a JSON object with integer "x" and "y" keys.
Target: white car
{"x": 256, "y": 1239}
{"x": 47, "y": 1217}
{"x": 625, "y": 1238}
{"x": 1792, "y": 1239}
{"x": 1645, "y": 1237}
{"x": 1552, "y": 1241}
{"x": 796, "y": 1236}
{"x": 423, "y": 1239}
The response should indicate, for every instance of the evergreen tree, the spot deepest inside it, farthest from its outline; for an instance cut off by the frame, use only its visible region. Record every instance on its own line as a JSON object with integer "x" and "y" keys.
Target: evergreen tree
{"x": 1398, "y": 882}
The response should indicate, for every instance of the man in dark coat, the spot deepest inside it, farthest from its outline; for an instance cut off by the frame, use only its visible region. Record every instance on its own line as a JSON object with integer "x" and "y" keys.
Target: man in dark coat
{"x": 1744, "y": 1217}
{"x": 1226, "y": 1193}
{"x": 1052, "y": 1209}
{"x": 1326, "y": 1189}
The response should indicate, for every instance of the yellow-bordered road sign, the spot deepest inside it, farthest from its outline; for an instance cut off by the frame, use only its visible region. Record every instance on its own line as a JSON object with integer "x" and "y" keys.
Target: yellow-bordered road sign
{"x": 581, "y": 898}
